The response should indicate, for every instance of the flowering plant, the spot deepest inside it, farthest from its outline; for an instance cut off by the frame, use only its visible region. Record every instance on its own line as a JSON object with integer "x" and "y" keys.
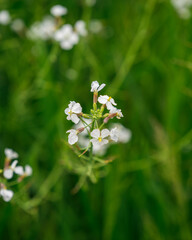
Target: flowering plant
{"x": 94, "y": 126}
{"x": 8, "y": 171}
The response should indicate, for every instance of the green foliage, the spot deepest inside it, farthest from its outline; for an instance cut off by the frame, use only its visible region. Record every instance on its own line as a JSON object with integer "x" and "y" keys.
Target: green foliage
{"x": 143, "y": 54}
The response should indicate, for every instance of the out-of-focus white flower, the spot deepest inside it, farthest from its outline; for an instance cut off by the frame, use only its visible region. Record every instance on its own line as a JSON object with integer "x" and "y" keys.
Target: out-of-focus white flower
{"x": 8, "y": 172}
{"x": 182, "y": 7}
{"x": 28, "y": 170}
{"x": 95, "y": 86}
{"x": 71, "y": 74}
{"x": 5, "y": 17}
{"x": 99, "y": 137}
{"x": 43, "y": 30}
{"x": 18, "y": 25}
{"x": 100, "y": 150}
{"x": 114, "y": 134}
{"x": 10, "y": 154}
{"x": 117, "y": 111}
{"x": 72, "y": 138}
{"x": 72, "y": 111}
{"x": 90, "y": 3}
{"x": 80, "y": 28}
{"x": 124, "y": 134}
{"x": 58, "y": 11}
{"x": 6, "y": 194}
{"x": 95, "y": 26}
{"x": 109, "y": 101}
{"x": 66, "y": 36}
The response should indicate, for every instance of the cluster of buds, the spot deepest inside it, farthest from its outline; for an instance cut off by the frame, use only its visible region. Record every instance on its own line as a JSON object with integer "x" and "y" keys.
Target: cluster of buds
{"x": 94, "y": 123}
{"x": 11, "y": 168}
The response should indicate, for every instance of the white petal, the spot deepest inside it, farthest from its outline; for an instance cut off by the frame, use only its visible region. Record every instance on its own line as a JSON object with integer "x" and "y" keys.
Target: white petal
{"x": 103, "y": 99}
{"x": 95, "y": 133}
{"x": 58, "y": 10}
{"x": 10, "y": 154}
{"x": 101, "y": 87}
{"x": 74, "y": 118}
{"x": 28, "y": 170}
{"x": 69, "y": 117}
{"x": 109, "y": 106}
{"x": 112, "y": 101}
{"x": 95, "y": 142}
{"x": 77, "y": 108}
{"x": 105, "y": 133}
{"x": 6, "y": 194}
{"x": 114, "y": 133}
{"x": 104, "y": 141}
{"x": 14, "y": 163}
{"x": 67, "y": 111}
{"x": 66, "y": 45}
{"x": 72, "y": 138}
{"x": 19, "y": 170}
{"x": 94, "y": 86}
{"x": 71, "y": 104}
{"x": 8, "y": 173}
{"x": 74, "y": 39}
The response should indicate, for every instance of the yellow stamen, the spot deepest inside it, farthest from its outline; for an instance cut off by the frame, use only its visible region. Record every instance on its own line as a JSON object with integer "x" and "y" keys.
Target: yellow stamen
{"x": 100, "y": 139}
{"x": 70, "y": 112}
{"x": 109, "y": 98}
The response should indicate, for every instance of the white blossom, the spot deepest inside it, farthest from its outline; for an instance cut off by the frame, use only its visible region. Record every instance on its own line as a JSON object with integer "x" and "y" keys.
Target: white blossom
{"x": 10, "y": 154}
{"x": 80, "y": 28}
{"x": 8, "y": 172}
{"x": 66, "y": 36}
{"x": 182, "y": 7}
{"x": 4, "y": 17}
{"x": 58, "y": 11}
{"x": 72, "y": 111}
{"x": 114, "y": 134}
{"x": 72, "y": 138}
{"x": 109, "y": 101}
{"x": 43, "y": 30}
{"x": 99, "y": 137}
{"x": 95, "y": 26}
{"x": 117, "y": 111}
{"x": 17, "y": 25}
{"x": 124, "y": 134}
{"x": 28, "y": 170}
{"x": 6, "y": 194}
{"x": 96, "y": 87}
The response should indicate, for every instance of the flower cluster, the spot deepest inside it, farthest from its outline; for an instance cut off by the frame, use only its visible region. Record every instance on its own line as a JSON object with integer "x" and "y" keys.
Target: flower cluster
{"x": 90, "y": 129}
{"x": 53, "y": 27}
{"x": 183, "y": 7}
{"x": 10, "y": 168}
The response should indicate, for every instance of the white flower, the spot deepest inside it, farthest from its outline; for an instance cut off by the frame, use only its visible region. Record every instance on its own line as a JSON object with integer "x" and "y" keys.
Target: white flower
{"x": 66, "y": 36}
{"x": 43, "y": 30}
{"x": 114, "y": 134}
{"x": 81, "y": 28}
{"x": 124, "y": 134}
{"x": 117, "y": 111}
{"x": 109, "y": 101}
{"x": 5, "y": 17}
{"x": 28, "y": 170}
{"x": 6, "y": 194}
{"x": 58, "y": 11}
{"x": 8, "y": 172}
{"x": 72, "y": 138}
{"x": 95, "y": 86}
{"x": 95, "y": 26}
{"x": 10, "y": 154}
{"x": 99, "y": 137}
{"x": 17, "y": 25}
{"x": 72, "y": 111}
{"x": 182, "y": 7}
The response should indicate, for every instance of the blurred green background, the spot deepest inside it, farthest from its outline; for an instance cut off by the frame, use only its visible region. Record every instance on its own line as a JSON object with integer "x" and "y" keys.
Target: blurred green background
{"x": 143, "y": 54}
